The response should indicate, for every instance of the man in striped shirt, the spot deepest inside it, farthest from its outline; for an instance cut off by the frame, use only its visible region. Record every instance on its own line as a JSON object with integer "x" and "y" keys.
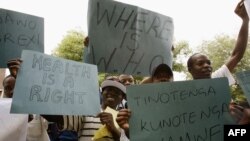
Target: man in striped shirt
{"x": 86, "y": 126}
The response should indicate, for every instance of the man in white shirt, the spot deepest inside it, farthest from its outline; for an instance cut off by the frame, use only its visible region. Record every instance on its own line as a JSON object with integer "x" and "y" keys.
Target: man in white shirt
{"x": 199, "y": 65}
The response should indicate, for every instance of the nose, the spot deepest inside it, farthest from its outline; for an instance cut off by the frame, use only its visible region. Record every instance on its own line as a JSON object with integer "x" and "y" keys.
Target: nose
{"x": 206, "y": 65}
{"x": 127, "y": 82}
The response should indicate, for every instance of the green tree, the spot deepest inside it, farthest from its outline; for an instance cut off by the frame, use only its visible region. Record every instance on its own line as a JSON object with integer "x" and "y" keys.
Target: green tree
{"x": 180, "y": 53}
{"x": 71, "y": 46}
{"x": 219, "y": 50}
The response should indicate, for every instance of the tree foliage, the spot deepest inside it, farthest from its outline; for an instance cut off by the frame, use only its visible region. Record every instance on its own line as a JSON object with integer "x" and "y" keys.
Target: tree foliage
{"x": 71, "y": 47}
{"x": 220, "y": 49}
{"x": 180, "y": 52}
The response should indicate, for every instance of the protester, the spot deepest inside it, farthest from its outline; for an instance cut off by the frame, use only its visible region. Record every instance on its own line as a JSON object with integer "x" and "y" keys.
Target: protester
{"x": 13, "y": 66}
{"x": 108, "y": 77}
{"x": 161, "y": 73}
{"x": 8, "y": 86}
{"x": 37, "y": 127}
{"x": 86, "y": 126}
{"x": 10, "y": 80}
{"x": 199, "y": 65}
{"x": 126, "y": 79}
{"x": 13, "y": 126}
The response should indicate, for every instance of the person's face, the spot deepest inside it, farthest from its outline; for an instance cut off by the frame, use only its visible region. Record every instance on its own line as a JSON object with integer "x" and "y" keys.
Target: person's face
{"x": 112, "y": 97}
{"x": 162, "y": 76}
{"x": 13, "y": 71}
{"x": 201, "y": 67}
{"x": 8, "y": 86}
{"x": 126, "y": 80}
{"x": 14, "y": 66}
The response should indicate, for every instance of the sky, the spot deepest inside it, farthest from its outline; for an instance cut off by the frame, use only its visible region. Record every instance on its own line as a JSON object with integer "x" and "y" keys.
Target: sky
{"x": 194, "y": 20}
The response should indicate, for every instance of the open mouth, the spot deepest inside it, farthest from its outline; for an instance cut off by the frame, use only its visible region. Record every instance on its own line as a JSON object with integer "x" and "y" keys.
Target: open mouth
{"x": 207, "y": 71}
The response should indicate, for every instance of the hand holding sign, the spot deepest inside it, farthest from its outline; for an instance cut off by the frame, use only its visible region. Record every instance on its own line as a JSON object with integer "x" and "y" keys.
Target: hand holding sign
{"x": 55, "y": 86}
{"x": 122, "y": 119}
{"x": 19, "y": 31}
{"x": 179, "y": 110}
{"x": 127, "y": 39}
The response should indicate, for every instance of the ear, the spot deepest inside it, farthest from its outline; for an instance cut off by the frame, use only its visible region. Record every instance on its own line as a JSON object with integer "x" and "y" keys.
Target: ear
{"x": 189, "y": 69}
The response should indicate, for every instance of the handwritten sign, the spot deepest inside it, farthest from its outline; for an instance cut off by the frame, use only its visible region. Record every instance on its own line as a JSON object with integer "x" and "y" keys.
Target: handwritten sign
{"x": 19, "y": 31}
{"x": 50, "y": 85}
{"x": 243, "y": 78}
{"x": 126, "y": 38}
{"x": 179, "y": 111}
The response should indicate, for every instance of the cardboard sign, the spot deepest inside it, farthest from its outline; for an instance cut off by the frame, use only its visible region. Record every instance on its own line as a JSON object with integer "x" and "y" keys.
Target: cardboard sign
{"x": 51, "y": 85}
{"x": 19, "y": 31}
{"x": 247, "y": 6}
{"x": 127, "y": 39}
{"x": 243, "y": 78}
{"x": 188, "y": 110}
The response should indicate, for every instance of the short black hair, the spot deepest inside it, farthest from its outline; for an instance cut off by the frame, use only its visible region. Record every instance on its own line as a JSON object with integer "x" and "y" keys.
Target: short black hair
{"x": 190, "y": 60}
{"x": 162, "y": 67}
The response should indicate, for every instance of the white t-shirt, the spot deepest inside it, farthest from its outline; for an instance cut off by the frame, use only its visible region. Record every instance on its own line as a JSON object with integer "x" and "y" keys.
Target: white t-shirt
{"x": 37, "y": 129}
{"x": 13, "y": 127}
{"x": 223, "y": 71}
{"x": 123, "y": 136}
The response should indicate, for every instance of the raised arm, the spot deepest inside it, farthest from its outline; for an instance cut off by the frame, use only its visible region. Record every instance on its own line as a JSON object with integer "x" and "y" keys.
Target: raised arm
{"x": 242, "y": 39}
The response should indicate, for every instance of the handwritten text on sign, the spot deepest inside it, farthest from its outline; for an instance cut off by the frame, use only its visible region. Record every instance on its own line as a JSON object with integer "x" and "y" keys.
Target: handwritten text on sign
{"x": 243, "y": 79}
{"x": 50, "y": 85}
{"x": 188, "y": 110}
{"x": 19, "y": 31}
{"x": 127, "y": 39}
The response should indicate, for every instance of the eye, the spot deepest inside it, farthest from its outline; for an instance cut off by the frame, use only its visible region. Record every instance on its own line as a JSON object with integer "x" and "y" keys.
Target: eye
{"x": 200, "y": 63}
{"x": 209, "y": 62}
{"x": 130, "y": 80}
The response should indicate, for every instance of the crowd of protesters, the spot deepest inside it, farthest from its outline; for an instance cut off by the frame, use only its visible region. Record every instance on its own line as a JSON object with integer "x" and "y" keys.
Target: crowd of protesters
{"x": 113, "y": 95}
